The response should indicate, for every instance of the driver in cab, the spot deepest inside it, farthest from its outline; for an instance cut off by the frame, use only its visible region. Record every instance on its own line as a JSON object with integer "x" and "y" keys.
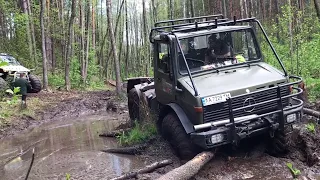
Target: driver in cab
{"x": 219, "y": 52}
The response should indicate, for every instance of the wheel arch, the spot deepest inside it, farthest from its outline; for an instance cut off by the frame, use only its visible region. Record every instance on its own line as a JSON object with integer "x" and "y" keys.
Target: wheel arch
{"x": 183, "y": 118}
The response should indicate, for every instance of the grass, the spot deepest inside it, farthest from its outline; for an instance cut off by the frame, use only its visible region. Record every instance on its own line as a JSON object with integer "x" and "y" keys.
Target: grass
{"x": 138, "y": 134}
{"x": 313, "y": 86}
{"x": 311, "y": 127}
{"x": 9, "y": 111}
{"x": 293, "y": 170}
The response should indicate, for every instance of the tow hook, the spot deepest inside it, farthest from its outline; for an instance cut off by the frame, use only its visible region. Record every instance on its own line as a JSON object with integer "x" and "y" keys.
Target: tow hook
{"x": 273, "y": 126}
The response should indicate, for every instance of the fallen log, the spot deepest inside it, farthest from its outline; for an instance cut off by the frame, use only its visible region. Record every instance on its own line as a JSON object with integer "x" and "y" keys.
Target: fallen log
{"x": 190, "y": 168}
{"x": 115, "y": 133}
{"x": 311, "y": 112}
{"x": 144, "y": 170}
{"x": 138, "y": 149}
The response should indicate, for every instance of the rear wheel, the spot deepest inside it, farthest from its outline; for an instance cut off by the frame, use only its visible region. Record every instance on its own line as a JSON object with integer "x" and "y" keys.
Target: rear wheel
{"x": 35, "y": 84}
{"x": 173, "y": 131}
{"x": 133, "y": 105}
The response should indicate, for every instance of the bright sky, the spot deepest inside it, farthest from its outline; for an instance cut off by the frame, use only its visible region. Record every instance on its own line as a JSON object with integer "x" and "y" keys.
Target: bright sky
{"x": 137, "y": 2}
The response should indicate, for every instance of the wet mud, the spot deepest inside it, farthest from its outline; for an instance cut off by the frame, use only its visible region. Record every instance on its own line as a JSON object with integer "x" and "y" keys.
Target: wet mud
{"x": 62, "y": 147}
{"x": 66, "y": 140}
{"x": 64, "y": 104}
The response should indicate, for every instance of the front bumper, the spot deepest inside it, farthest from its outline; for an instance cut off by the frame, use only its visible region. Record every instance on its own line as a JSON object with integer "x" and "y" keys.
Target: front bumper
{"x": 232, "y": 130}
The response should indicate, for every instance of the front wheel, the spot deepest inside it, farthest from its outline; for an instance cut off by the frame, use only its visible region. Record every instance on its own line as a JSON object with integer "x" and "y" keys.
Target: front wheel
{"x": 173, "y": 131}
{"x": 279, "y": 144}
{"x": 35, "y": 84}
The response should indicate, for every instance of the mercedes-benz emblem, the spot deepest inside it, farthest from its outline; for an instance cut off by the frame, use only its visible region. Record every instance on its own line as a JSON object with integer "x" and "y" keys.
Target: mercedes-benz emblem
{"x": 248, "y": 102}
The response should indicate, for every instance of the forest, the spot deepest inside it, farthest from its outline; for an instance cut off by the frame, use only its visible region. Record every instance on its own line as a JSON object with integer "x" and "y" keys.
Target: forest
{"x": 82, "y": 43}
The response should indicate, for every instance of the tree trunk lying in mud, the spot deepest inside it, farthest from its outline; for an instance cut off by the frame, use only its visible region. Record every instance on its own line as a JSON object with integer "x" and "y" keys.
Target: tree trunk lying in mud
{"x": 190, "y": 168}
{"x": 311, "y": 112}
{"x": 115, "y": 133}
{"x": 127, "y": 150}
{"x": 144, "y": 170}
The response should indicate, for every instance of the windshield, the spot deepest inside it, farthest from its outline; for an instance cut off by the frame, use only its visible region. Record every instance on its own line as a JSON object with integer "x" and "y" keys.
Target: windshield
{"x": 218, "y": 50}
{"x": 9, "y": 59}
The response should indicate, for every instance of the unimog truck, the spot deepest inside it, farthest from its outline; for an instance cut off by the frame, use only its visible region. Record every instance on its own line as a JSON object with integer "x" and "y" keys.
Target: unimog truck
{"x": 213, "y": 87}
{"x": 12, "y": 70}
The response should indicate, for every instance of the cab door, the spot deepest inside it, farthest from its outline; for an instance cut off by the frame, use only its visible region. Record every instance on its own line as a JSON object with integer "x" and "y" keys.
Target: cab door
{"x": 164, "y": 74}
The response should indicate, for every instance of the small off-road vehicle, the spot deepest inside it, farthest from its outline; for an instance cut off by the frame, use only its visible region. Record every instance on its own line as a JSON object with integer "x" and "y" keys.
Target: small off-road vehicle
{"x": 12, "y": 70}
{"x": 213, "y": 87}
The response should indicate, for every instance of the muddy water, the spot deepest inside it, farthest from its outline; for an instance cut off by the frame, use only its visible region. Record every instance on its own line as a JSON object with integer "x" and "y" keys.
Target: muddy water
{"x": 68, "y": 146}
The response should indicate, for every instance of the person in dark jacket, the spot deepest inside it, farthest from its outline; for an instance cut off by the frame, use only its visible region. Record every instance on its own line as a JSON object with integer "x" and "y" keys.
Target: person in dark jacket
{"x": 23, "y": 83}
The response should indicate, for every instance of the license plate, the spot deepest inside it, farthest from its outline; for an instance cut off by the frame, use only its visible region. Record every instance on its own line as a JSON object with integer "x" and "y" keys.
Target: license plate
{"x": 215, "y": 99}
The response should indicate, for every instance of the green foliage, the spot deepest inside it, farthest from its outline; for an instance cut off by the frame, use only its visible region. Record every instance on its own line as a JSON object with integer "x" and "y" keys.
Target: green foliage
{"x": 93, "y": 81}
{"x": 311, "y": 127}
{"x": 301, "y": 56}
{"x": 3, "y": 63}
{"x": 139, "y": 134}
{"x": 293, "y": 170}
{"x": 68, "y": 176}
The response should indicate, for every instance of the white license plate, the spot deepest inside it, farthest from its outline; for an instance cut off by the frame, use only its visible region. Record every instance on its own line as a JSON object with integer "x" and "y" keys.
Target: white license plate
{"x": 215, "y": 99}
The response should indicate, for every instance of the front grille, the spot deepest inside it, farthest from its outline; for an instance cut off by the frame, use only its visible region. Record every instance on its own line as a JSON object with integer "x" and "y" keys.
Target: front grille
{"x": 220, "y": 111}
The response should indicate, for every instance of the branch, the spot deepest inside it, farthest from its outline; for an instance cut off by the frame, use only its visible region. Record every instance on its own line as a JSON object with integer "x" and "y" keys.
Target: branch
{"x": 144, "y": 170}
{"x": 127, "y": 150}
{"x": 311, "y": 112}
{"x": 190, "y": 168}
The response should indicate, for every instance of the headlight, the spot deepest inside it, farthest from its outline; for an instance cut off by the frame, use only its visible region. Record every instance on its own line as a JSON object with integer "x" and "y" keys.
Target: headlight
{"x": 217, "y": 138}
{"x": 291, "y": 118}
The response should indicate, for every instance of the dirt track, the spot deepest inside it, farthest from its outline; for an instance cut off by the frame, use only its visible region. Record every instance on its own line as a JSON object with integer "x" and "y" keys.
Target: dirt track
{"x": 250, "y": 161}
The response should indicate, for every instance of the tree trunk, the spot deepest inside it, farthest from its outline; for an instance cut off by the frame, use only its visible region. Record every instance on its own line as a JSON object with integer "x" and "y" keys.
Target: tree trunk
{"x": 69, "y": 47}
{"x": 25, "y": 11}
{"x": 190, "y": 168}
{"x": 32, "y": 32}
{"x": 225, "y": 8}
{"x": 93, "y": 25}
{"x": 317, "y": 7}
{"x": 146, "y": 44}
{"x": 44, "y": 55}
{"x": 127, "y": 39}
{"x": 86, "y": 62}
{"x": 114, "y": 47}
{"x": 192, "y": 8}
{"x": 276, "y": 3}
{"x": 82, "y": 39}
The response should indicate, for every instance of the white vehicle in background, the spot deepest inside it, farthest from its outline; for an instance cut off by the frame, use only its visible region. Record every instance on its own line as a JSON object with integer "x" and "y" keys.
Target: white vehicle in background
{"x": 12, "y": 70}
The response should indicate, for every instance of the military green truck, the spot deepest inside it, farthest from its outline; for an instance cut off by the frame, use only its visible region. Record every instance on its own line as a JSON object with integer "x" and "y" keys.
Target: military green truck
{"x": 213, "y": 87}
{"x": 12, "y": 70}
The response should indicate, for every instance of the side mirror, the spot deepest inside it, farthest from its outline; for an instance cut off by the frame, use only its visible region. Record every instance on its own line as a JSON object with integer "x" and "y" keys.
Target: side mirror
{"x": 164, "y": 37}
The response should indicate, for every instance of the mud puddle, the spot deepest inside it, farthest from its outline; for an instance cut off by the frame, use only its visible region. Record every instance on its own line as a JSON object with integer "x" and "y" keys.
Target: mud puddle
{"x": 65, "y": 146}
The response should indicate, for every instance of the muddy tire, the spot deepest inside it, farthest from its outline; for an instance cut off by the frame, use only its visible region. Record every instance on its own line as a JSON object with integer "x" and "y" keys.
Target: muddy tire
{"x": 35, "y": 84}
{"x": 134, "y": 105}
{"x": 3, "y": 85}
{"x": 279, "y": 144}
{"x": 173, "y": 131}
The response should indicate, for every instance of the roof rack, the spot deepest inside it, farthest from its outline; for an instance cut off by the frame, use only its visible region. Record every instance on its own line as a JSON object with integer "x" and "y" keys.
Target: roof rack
{"x": 170, "y": 25}
{"x": 216, "y": 24}
{"x": 189, "y": 20}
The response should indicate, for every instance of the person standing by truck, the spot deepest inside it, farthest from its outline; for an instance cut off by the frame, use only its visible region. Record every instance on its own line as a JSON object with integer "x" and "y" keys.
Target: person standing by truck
{"x": 23, "y": 84}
